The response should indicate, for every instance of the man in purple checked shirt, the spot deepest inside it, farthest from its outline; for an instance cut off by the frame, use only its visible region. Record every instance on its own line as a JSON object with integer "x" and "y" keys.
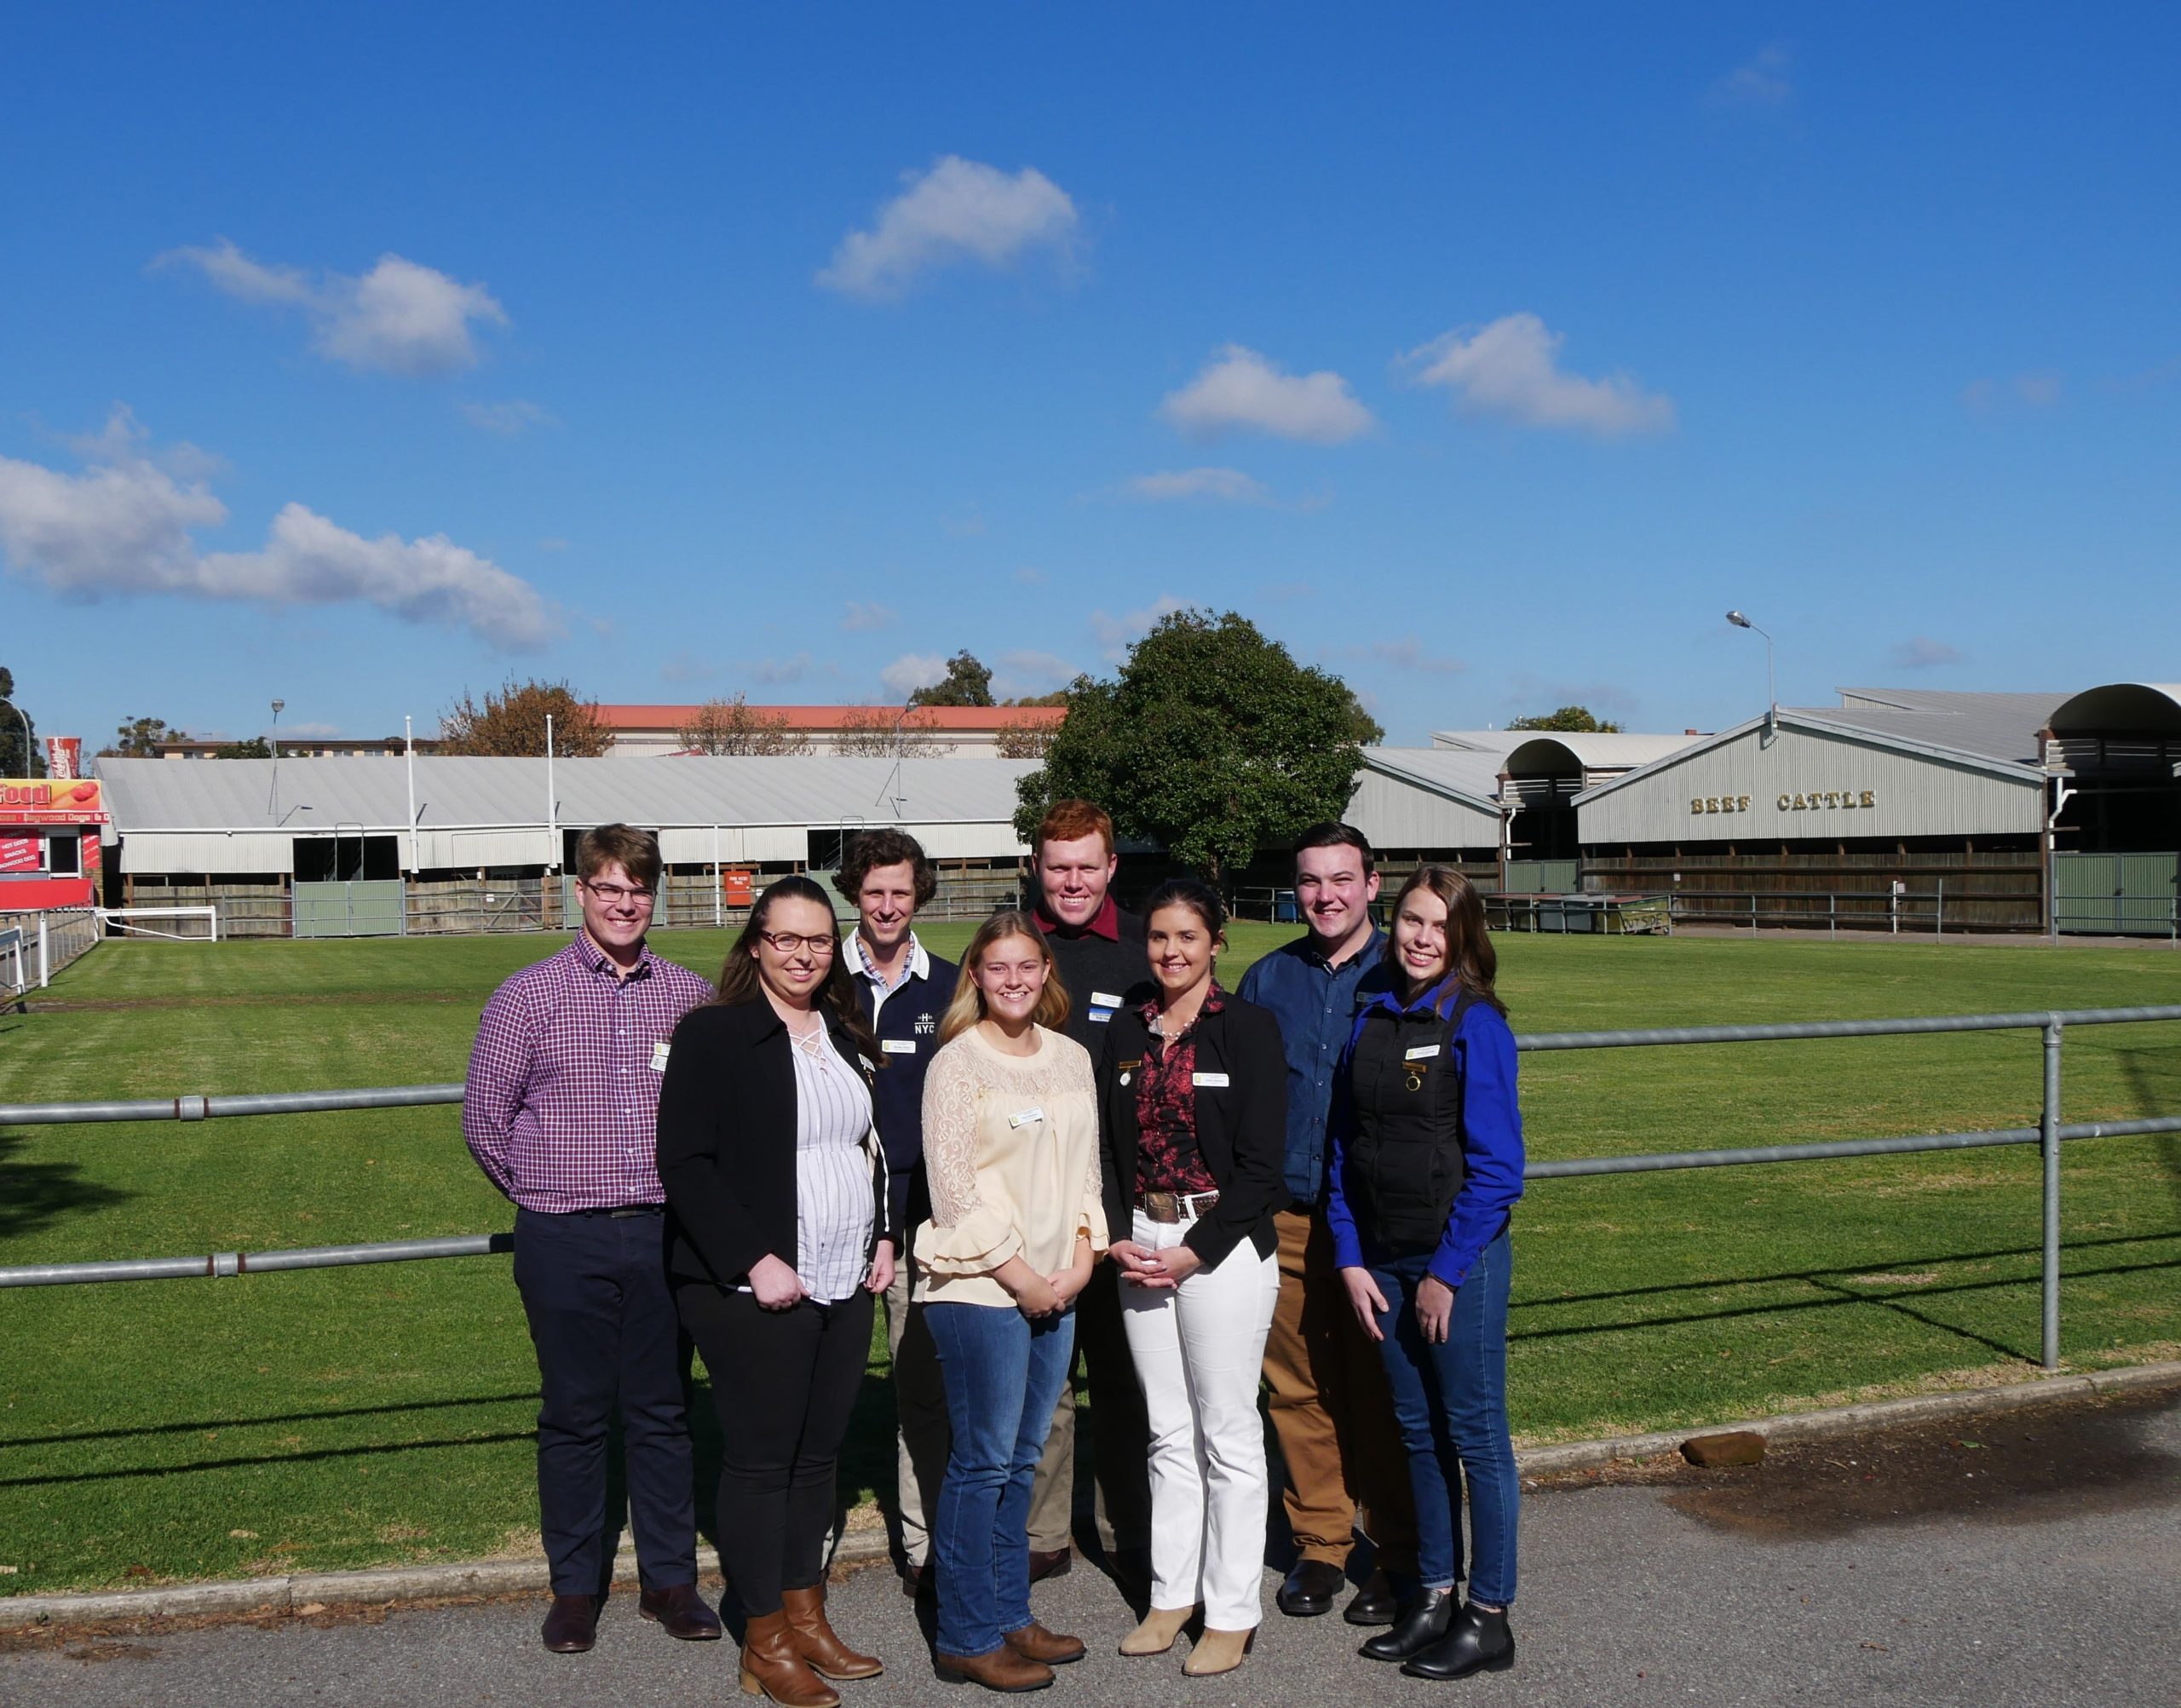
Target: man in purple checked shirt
{"x": 559, "y": 1111}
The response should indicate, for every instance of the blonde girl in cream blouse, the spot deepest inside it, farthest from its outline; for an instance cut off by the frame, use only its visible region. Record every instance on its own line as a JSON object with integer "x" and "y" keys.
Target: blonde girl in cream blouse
{"x": 1010, "y": 1151}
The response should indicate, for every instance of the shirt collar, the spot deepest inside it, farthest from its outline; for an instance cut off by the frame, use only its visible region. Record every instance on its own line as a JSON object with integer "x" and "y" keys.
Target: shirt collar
{"x": 596, "y": 960}
{"x": 1373, "y": 946}
{"x": 859, "y": 962}
{"x": 1215, "y": 1000}
{"x": 1437, "y": 999}
{"x": 1105, "y": 922}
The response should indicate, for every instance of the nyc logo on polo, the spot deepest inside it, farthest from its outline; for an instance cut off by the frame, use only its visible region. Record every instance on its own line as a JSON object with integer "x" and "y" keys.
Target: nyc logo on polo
{"x": 927, "y": 1024}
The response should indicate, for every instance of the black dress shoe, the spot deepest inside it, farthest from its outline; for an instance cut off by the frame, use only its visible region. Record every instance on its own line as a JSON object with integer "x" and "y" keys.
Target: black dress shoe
{"x": 571, "y": 1624}
{"x": 1478, "y": 1643}
{"x": 1374, "y": 1604}
{"x": 1049, "y": 1563}
{"x": 1422, "y": 1622}
{"x": 682, "y": 1610}
{"x": 1309, "y": 1588}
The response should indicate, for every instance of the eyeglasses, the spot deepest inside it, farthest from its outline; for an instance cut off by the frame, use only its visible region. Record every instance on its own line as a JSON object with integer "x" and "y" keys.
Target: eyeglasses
{"x": 614, "y": 894}
{"x": 788, "y": 942}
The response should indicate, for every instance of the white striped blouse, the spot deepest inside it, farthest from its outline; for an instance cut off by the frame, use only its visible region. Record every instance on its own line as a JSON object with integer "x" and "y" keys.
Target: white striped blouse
{"x": 833, "y": 1203}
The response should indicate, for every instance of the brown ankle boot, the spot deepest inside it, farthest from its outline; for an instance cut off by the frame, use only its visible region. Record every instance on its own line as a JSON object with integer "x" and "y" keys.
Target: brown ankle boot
{"x": 815, "y": 1640}
{"x": 771, "y": 1667}
{"x": 1001, "y": 1670}
{"x": 1038, "y": 1643}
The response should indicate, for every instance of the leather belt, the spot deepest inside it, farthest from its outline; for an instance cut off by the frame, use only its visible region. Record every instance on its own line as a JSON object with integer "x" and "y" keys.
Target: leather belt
{"x": 1169, "y": 1206}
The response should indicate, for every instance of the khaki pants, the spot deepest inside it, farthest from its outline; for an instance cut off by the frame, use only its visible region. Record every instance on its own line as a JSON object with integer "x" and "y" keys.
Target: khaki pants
{"x": 1332, "y": 1412}
{"x": 922, "y": 1438}
{"x": 1121, "y": 1444}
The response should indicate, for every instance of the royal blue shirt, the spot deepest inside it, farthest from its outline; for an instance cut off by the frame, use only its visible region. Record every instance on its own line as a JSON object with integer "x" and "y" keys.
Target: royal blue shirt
{"x": 1316, "y": 1004}
{"x": 1491, "y": 1135}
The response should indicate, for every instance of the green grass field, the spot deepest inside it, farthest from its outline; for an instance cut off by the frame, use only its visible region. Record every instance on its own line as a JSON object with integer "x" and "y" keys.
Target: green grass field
{"x": 344, "y": 1419}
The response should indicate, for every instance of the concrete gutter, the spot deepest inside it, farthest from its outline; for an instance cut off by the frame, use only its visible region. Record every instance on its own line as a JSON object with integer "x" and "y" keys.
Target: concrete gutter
{"x": 478, "y": 1580}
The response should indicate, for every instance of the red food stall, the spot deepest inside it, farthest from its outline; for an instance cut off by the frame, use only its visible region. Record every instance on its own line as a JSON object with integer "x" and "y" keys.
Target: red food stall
{"x": 49, "y": 842}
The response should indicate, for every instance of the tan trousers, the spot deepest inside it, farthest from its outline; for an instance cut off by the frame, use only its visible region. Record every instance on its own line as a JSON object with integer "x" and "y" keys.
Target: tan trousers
{"x": 1332, "y": 1412}
{"x": 923, "y": 1437}
{"x": 1121, "y": 1444}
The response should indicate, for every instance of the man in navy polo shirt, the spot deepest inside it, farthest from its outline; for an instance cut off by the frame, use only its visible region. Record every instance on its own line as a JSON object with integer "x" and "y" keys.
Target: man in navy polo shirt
{"x": 1331, "y": 1406}
{"x": 904, "y": 989}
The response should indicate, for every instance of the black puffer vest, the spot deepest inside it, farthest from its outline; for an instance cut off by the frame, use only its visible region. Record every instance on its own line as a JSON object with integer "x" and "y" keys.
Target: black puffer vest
{"x": 1405, "y": 1158}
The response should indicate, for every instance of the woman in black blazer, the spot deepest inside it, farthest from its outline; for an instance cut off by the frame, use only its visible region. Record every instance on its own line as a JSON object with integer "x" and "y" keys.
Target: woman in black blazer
{"x": 1193, "y": 1094}
{"x": 777, "y": 1215}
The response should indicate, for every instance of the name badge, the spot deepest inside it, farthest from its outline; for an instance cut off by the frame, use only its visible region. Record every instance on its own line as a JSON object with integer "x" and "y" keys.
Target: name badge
{"x": 659, "y": 1055}
{"x": 1421, "y": 1052}
{"x": 1022, "y": 1118}
{"x": 1212, "y": 1079}
{"x": 898, "y": 1046}
{"x": 1101, "y": 999}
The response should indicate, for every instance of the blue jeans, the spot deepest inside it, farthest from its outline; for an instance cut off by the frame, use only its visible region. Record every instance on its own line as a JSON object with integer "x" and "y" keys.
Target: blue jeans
{"x": 1003, "y": 1374}
{"x": 1450, "y": 1401}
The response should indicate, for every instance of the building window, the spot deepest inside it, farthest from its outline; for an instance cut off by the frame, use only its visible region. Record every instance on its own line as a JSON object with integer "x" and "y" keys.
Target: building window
{"x": 64, "y": 855}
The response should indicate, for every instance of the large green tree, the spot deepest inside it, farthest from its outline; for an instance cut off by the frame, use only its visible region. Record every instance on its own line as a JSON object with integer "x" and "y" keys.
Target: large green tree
{"x": 1569, "y": 720}
{"x": 511, "y": 723}
{"x": 1211, "y": 741}
{"x": 966, "y": 682}
{"x": 19, "y": 749}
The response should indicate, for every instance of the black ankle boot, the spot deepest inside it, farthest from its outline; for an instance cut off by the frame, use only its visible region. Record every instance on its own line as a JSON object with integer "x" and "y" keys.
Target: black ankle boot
{"x": 1423, "y": 1621}
{"x": 1478, "y": 1643}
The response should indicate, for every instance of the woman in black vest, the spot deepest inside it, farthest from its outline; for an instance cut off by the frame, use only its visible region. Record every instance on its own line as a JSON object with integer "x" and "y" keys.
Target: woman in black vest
{"x": 776, "y": 1197}
{"x": 1427, "y": 1163}
{"x": 1193, "y": 1098}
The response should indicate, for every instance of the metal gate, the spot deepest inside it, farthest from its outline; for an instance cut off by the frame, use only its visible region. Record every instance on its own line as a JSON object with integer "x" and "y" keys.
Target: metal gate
{"x": 361, "y": 907}
{"x": 2116, "y": 895}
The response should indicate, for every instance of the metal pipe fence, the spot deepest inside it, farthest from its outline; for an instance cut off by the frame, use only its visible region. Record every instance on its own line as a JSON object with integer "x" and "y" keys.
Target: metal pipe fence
{"x": 2049, "y": 1134}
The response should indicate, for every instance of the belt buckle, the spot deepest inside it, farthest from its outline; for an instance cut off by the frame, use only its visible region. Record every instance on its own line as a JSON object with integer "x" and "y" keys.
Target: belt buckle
{"x": 1163, "y": 1206}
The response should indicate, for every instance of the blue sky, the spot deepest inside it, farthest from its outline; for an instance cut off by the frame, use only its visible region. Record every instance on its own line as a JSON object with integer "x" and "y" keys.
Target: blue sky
{"x": 361, "y": 356}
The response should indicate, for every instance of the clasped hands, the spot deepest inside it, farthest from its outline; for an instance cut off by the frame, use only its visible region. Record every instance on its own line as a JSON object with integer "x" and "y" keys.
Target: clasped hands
{"x": 1038, "y": 1296}
{"x": 1141, "y": 1266}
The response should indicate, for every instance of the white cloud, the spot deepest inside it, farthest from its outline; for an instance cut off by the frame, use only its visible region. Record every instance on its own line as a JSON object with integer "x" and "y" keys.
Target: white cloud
{"x": 1023, "y": 673}
{"x": 125, "y": 527}
{"x": 515, "y": 415}
{"x": 912, "y": 671}
{"x": 1760, "y": 80}
{"x": 1230, "y": 484}
{"x": 1239, "y": 389}
{"x": 1507, "y": 369}
{"x": 1923, "y": 653}
{"x": 400, "y": 318}
{"x": 960, "y": 210}
{"x": 777, "y": 672}
{"x": 685, "y": 666}
{"x": 1115, "y": 635}
{"x": 861, "y": 618}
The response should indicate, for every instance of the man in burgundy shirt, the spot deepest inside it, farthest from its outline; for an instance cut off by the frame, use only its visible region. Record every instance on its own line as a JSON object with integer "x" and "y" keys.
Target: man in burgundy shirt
{"x": 559, "y": 1111}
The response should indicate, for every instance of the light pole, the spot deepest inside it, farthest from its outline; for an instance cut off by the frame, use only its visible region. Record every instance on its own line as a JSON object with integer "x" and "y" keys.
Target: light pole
{"x": 1771, "y": 680}
{"x": 273, "y": 794}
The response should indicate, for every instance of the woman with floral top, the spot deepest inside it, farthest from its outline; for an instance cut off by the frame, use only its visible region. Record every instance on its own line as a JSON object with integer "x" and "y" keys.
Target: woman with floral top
{"x": 1193, "y": 1092}
{"x": 1010, "y": 1149}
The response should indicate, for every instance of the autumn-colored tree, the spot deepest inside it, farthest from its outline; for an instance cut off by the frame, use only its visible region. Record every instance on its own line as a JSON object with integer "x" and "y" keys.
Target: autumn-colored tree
{"x": 734, "y": 726}
{"x": 511, "y": 723}
{"x": 1026, "y": 738}
{"x": 885, "y": 731}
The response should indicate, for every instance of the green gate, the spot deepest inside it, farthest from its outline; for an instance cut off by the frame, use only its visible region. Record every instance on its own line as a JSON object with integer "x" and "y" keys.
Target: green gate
{"x": 1543, "y": 876}
{"x": 361, "y": 907}
{"x": 2116, "y": 896}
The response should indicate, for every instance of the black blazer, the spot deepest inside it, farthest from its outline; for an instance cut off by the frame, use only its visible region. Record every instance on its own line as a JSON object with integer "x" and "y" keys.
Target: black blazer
{"x": 727, "y": 1141}
{"x": 1241, "y": 1127}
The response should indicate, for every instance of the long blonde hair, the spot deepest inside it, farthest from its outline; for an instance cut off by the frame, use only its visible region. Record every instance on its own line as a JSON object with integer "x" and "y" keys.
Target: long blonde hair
{"x": 968, "y": 1007}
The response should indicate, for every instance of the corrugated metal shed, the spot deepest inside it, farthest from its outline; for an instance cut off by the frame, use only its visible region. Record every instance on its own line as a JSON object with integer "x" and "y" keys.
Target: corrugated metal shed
{"x": 1427, "y": 797}
{"x": 226, "y": 815}
{"x": 1994, "y": 726}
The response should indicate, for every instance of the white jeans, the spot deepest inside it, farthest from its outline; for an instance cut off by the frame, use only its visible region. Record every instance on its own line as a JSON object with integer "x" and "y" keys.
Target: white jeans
{"x": 1200, "y": 1352}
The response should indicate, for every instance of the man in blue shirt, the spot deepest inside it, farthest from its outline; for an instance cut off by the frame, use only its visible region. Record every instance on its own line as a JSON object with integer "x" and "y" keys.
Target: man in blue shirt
{"x": 1330, "y": 1407}
{"x": 903, "y": 989}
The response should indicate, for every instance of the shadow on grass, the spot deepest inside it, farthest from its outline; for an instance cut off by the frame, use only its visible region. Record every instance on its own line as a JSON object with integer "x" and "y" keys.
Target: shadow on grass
{"x": 1840, "y": 1294}
{"x": 246, "y": 1461}
{"x": 2155, "y": 1077}
{"x": 34, "y": 1195}
{"x": 251, "y": 1423}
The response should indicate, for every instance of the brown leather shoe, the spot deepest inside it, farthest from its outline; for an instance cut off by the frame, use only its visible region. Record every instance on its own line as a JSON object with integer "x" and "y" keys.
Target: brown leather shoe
{"x": 817, "y": 1641}
{"x": 1050, "y": 1562}
{"x": 772, "y": 1668}
{"x": 1004, "y": 1669}
{"x": 682, "y": 1610}
{"x": 571, "y": 1624}
{"x": 1035, "y": 1642}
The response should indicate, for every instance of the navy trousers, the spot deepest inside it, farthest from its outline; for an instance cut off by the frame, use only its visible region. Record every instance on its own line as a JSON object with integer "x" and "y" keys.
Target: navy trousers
{"x": 602, "y": 1318}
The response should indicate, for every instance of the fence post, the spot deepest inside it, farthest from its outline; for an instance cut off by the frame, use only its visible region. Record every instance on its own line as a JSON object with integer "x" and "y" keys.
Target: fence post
{"x": 1938, "y": 915}
{"x": 45, "y": 961}
{"x": 2048, "y": 1139}
{"x": 1752, "y": 913}
{"x": 1833, "y": 917}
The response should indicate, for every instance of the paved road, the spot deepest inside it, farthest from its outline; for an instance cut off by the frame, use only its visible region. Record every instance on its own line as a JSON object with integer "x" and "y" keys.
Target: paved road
{"x": 2033, "y": 1560}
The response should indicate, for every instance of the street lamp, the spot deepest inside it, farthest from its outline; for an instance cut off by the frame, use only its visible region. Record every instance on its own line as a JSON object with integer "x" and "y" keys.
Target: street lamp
{"x": 1771, "y": 681}
{"x": 273, "y": 794}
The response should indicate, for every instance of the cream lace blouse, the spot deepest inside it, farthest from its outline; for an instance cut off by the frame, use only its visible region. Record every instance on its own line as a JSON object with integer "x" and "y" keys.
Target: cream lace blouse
{"x": 1010, "y": 1149}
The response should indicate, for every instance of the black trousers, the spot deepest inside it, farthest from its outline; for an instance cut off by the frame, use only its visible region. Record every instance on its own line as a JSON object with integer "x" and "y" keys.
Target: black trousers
{"x": 602, "y": 1319}
{"x": 784, "y": 1383}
